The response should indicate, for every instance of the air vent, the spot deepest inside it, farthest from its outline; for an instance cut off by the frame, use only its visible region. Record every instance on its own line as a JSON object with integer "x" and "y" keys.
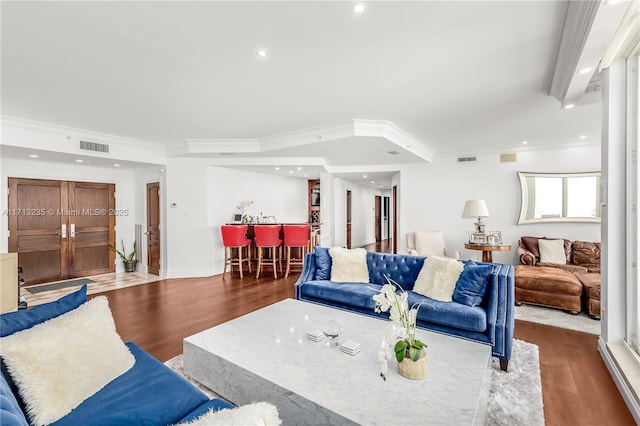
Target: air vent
{"x": 508, "y": 158}
{"x": 92, "y": 146}
{"x": 466, "y": 159}
{"x": 393, "y": 152}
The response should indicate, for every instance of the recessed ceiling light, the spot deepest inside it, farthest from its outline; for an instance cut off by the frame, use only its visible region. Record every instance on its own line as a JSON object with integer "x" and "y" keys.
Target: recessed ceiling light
{"x": 583, "y": 136}
{"x": 586, "y": 70}
{"x": 34, "y": 155}
{"x": 373, "y": 181}
{"x": 359, "y": 8}
{"x": 290, "y": 171}
{"x": 569, "y": 106}
{"x": 299, "y": 168}
{"x": 116, "y": 165}
{"x": 79, "y": 161}
{"x": 262, "y": 53}
{"x": 364, "y": 176}
{"x": 277, "y": 168}
{"x": 525, "y": 142}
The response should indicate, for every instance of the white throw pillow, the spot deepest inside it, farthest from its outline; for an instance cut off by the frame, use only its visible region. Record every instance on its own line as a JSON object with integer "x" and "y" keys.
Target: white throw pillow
{"x": 349, "y": 265}
{"x": 438, "y": 277}
{"x": 258, "y": 414}
{"x": 63, "y": 361}
{"x": 552, "y": 251}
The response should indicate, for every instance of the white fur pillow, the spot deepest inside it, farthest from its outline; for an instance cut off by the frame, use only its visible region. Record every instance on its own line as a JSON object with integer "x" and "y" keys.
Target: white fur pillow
{"x": 552, "y": 251}
{"x": 349, "y": 265}
{"x": 438, "y": 277}
{"x": 258, "y": 414}
{"x": 63, "y": 361}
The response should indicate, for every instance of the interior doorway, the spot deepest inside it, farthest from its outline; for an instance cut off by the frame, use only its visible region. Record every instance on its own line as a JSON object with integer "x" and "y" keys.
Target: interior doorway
{"x": 378, "y": 218}
{"x": 385, "y": 218}
{"x": 348, "y": 218}
{"x": 153, "y": 228}
{"x": 394, "y": 194}
{"x": 61, "y": 229}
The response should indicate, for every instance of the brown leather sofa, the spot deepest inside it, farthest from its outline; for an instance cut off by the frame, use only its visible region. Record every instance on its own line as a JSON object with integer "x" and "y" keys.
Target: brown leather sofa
{"x": 566, "y": 286}
{"x": 582, "y": 257}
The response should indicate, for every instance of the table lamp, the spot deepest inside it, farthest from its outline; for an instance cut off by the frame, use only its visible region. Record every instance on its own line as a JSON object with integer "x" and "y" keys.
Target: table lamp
{"x": 476, "y": 209}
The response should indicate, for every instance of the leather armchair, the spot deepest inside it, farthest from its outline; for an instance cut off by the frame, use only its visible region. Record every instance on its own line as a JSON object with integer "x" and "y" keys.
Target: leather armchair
{"x": 422, "y": 243}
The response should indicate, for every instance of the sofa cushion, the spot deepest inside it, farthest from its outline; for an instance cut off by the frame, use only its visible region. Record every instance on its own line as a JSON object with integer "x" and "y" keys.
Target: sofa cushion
{"x": 10, "y": 412}
{"x": 59, "y": 363}
{"x": 552, "y": 251}
{"x": 323, "y": 263}
{"x": 15, "y": 321}
{"x": 437, "y": 278}
{"x": 349, "y": 265}
{"x": 354, "y": 294}
{"x": 149, "y": 391}
{"x": 451, "y": 314}
{"x": 472, "y": 284}
{"x": 402, "y": 269}
{"x": 586, "y": 254}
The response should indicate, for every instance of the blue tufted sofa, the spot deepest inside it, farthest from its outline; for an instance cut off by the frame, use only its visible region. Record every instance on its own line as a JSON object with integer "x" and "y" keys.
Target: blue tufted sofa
{"x": 147, "y": 394}
{"x": 491, "y": 322}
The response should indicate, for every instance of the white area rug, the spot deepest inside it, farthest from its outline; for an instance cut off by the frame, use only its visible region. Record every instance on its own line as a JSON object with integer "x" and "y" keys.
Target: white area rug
{"x": 515, "y": 397}
{"x": 557, "y": 318}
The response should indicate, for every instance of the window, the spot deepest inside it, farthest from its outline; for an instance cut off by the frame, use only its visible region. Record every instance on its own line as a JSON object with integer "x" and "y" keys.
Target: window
{"x": 559, "y": 197}
{"x": 633, "y": 294}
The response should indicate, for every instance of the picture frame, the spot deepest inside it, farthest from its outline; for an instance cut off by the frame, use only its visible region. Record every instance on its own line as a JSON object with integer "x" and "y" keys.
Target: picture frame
{"x": 237, "y": 218}
{"x": 497, "y": 236}
{"x": 477, "y": 238}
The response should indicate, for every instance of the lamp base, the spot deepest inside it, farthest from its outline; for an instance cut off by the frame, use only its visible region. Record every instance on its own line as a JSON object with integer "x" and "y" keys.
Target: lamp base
{"x": 480, "y": 226}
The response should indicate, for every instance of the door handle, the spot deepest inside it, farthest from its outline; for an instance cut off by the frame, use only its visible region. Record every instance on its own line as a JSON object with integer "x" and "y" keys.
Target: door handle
{"x": 63, "y": 231}
{"x": 73, "y": 230}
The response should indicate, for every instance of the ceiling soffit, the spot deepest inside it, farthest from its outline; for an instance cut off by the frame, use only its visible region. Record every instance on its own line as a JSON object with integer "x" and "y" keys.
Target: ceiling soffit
{"x": 298, "y": 138}
{"x": 588, "y": 28}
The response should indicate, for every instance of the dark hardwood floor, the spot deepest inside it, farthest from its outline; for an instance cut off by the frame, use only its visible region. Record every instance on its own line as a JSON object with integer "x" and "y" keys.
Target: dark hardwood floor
{"x": 576, "y": 386}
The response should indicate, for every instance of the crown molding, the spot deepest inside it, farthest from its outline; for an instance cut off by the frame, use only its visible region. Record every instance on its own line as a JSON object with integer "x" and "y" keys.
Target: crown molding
{"x": 72, "y": 133}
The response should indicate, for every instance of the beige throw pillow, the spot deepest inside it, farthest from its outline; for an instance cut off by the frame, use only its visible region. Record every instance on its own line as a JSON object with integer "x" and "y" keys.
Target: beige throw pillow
{"x": 552, "y": 251}
{"x": 349, "y": 265}
{"x": 438, "y": 277}
{"x": 65, "y": 360}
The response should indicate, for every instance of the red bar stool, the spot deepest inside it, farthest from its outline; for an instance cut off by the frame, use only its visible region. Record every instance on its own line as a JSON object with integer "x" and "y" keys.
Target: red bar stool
{"x": 267, "y": 237}
{"x": 235, "y": 237}
{"x": 296, "y": 236}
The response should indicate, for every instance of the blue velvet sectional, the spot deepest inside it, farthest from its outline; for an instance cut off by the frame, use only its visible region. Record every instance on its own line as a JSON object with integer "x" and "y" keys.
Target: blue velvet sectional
{"x": 147, "y": 394}
{"x": 489, "y": 321}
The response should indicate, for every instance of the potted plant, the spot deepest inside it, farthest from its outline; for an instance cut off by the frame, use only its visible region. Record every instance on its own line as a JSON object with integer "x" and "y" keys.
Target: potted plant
{"x": 128, "y": 260}
{"x": 409, "y": 351}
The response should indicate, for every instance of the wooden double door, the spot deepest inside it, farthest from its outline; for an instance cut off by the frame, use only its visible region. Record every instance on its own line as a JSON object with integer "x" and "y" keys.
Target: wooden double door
{"x": 61, "y": 229}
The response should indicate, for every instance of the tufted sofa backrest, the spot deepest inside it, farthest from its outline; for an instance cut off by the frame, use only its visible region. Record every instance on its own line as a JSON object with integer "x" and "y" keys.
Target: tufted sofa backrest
{"x": 401, "y": 268}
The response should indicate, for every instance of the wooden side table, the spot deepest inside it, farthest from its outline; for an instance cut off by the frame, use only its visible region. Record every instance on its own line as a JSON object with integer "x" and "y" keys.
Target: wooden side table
{"x": 488, "y": 249}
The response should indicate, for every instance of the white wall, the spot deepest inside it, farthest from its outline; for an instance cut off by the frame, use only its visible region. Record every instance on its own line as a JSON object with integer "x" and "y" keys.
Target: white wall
{"x": 432, "y": 197}
{"x": 206, "y": 197}
{"x": 126, "y": 190}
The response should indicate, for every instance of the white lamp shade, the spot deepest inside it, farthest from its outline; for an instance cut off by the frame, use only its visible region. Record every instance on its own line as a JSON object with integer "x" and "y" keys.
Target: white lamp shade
{"x": 475, "y": 208}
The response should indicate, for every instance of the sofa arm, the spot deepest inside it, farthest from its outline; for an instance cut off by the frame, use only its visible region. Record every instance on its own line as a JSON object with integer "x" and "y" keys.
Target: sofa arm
{"x": 501, "y": 312}
{"x": 308, "y": 272}
{"x": 525, "y": 256}
{"x": 412, "y": 252}
{"x": 453, "y": 254}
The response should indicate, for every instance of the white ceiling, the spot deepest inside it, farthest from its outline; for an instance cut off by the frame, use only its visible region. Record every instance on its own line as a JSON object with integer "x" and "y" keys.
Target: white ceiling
{"x": 459, "y": 77}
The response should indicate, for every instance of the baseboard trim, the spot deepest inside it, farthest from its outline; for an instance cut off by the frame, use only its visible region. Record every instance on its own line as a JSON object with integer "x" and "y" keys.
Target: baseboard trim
{"x": 619, "y": 377}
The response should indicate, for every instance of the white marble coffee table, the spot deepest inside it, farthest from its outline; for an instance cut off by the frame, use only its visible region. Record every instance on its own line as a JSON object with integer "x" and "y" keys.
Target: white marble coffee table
{"x": 265, "y": 356}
